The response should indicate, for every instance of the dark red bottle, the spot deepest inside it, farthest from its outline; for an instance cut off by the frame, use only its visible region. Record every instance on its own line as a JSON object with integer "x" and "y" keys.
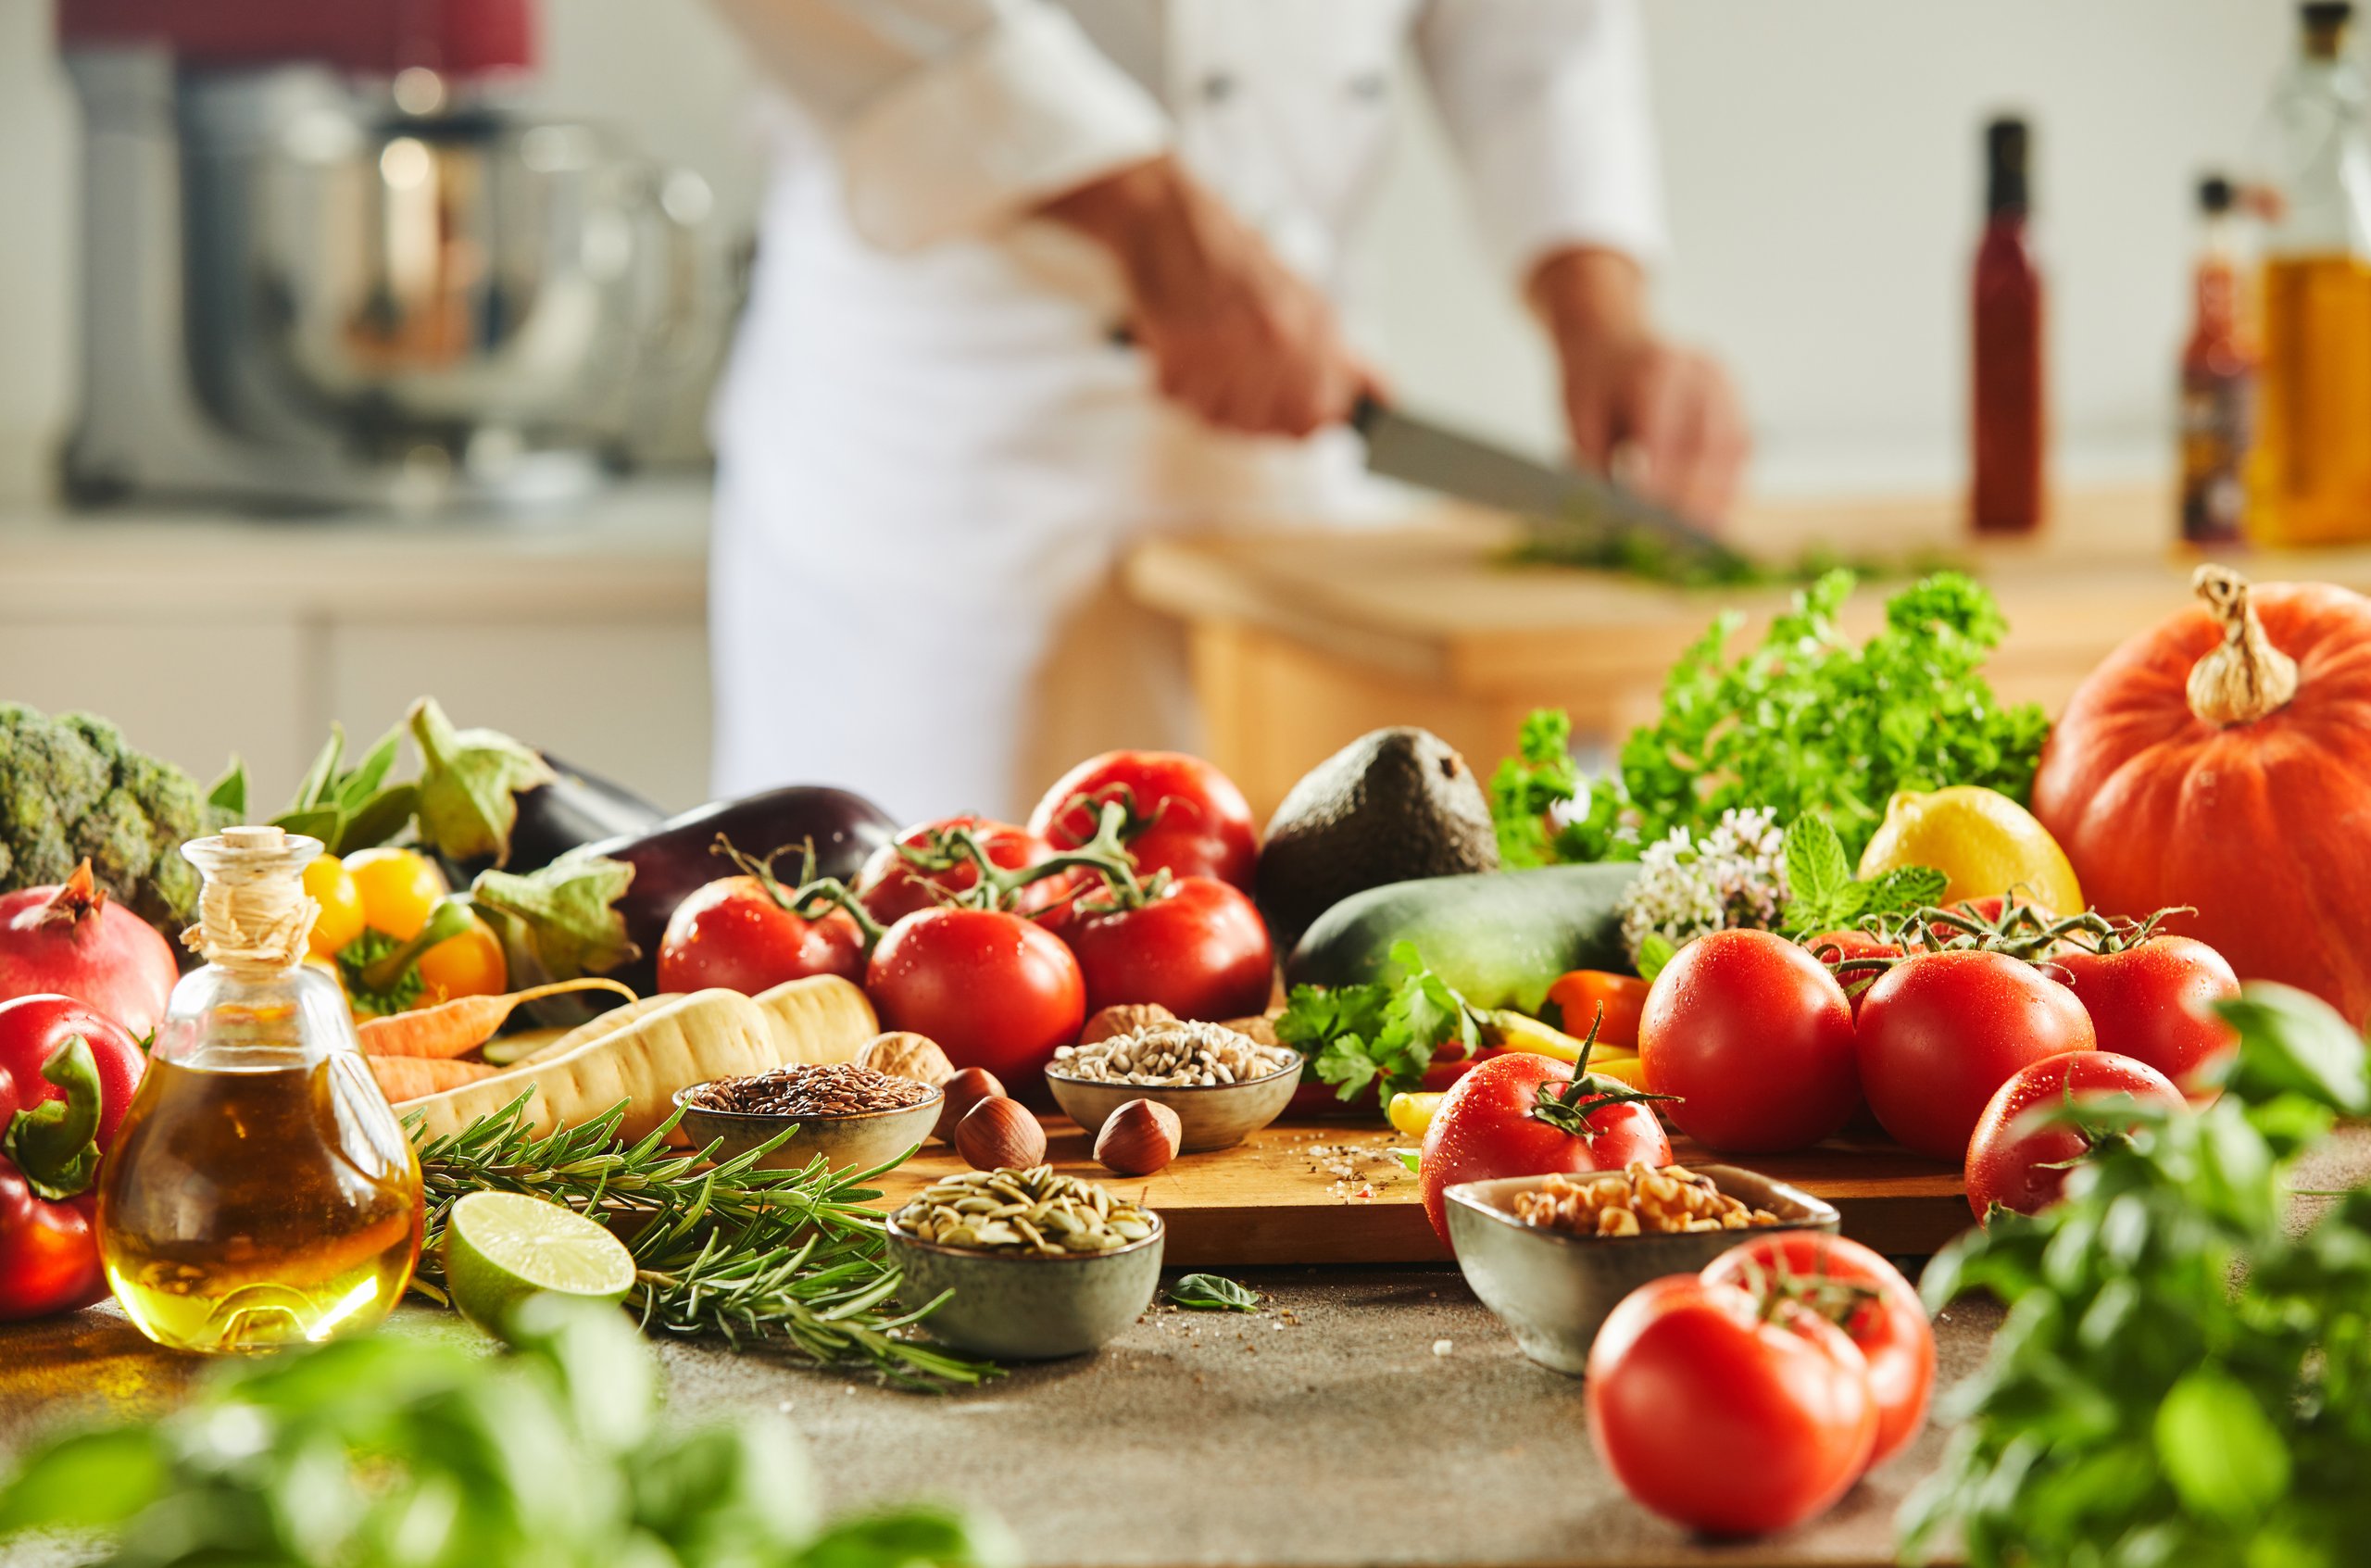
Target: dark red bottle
{"x": 2006, "y": 495}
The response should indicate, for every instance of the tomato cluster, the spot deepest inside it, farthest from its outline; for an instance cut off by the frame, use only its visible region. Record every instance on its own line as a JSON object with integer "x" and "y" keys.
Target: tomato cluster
{"x": 1766, "y": 1051}
{"x": 995, "y": 940}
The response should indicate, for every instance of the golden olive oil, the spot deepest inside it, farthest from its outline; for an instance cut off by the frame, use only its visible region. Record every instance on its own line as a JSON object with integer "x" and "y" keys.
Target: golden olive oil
{"x": 252, "y": 1201}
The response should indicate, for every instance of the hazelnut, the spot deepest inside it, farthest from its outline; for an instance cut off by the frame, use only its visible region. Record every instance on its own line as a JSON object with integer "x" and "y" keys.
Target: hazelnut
{"x": 1129, "y": 1020}
{"x": 1261, "y": 1028}
{"x": 1000, "y": 1134}
{"x": 1139, "y": 1138}
{"x": 964, "y": 1090}
{"x": 907, "y": 1055}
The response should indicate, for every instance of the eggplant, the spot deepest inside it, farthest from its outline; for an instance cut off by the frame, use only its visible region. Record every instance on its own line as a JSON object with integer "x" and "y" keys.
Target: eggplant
{"x": 602, "y": 907}
{"x": 680, "y": 856}
{"x": 575, "y": 810}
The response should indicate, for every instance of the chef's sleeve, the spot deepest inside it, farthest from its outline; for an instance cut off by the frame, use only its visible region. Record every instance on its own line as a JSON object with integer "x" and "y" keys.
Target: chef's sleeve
{"x": 1545, "y": 104}
{"x": 952, "y": 117}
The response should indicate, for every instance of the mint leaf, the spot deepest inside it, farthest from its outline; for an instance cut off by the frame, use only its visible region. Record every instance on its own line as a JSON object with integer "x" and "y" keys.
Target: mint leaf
{"x": 1654, "y": 952}
{"x": 1817, "y": 872}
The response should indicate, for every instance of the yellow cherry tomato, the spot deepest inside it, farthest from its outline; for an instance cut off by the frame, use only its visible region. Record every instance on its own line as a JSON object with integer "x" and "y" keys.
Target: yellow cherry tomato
{"x": 398, "y": 888}
{"x": 340, "y": 921}
{"x": 468, "y": 965}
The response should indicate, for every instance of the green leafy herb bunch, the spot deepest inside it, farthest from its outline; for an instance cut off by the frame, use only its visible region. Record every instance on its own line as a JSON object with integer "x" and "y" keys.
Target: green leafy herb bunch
{"x": 2184, "y": 1378}
{"x": 397, "y": 1450}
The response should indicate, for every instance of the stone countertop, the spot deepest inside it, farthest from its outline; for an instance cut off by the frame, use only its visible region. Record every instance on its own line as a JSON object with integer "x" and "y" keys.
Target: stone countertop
{"x": 1324, "y": 1430}
{"x": 639, "y": 548}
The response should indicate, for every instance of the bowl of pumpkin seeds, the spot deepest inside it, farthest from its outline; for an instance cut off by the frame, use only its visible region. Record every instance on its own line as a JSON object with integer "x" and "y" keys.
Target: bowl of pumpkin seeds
{"x": 1039, "y": 1265}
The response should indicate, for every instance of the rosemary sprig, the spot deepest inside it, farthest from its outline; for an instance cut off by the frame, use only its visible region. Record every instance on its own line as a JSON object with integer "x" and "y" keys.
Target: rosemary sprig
{"x": 791, "y": 1255}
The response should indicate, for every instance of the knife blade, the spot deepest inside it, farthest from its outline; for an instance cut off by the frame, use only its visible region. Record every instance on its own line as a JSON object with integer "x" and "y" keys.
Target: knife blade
{"x": 1431, "y": 457}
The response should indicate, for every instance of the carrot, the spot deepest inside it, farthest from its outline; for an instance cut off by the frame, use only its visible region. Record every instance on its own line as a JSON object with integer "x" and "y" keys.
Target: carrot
{"x": 410, "y": 1077}
{"x": 461, "y": 1025}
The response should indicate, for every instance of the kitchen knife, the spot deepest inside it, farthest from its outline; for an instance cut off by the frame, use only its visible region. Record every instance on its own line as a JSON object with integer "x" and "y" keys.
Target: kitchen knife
{"x": 1551, "y": 500}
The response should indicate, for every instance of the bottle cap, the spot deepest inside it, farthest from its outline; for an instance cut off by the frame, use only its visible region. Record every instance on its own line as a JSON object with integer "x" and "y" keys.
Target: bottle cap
{"x": 2007, "y": 145}
{"x": 2325, "y": 23}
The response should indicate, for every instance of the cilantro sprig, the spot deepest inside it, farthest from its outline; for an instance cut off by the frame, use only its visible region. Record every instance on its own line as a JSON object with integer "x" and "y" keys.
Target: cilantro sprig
{"x": 1383, "y": 1034}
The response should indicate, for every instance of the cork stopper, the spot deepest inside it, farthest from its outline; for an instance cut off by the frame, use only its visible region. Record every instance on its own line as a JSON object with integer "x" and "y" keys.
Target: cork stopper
{"x": 253, "y": 914}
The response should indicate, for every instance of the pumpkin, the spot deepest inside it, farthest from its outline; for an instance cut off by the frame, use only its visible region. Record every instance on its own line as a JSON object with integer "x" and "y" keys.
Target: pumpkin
{"x": 2222, "y": 762}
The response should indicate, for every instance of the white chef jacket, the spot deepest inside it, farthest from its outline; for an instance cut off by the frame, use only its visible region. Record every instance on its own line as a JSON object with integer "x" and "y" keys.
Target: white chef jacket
{"x": 931, "y": 455}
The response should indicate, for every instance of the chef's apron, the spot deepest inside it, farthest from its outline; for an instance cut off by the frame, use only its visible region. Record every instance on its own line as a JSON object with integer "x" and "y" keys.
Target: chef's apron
{"x": 932, "y": 463}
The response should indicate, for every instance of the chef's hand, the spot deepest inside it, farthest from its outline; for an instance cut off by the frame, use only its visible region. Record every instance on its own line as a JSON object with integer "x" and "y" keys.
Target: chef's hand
{"x": 1235, "y": 335}
{"x": 1669, "y": 412}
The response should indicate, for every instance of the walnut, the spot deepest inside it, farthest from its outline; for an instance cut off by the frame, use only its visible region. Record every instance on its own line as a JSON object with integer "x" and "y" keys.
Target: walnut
{"x": 1124, "y": 1021}
{"x": 907, "y": 1055}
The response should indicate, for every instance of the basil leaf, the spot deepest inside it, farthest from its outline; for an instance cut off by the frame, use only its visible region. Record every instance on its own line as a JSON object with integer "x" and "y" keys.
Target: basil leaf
{"x": 1212, "y": 1293}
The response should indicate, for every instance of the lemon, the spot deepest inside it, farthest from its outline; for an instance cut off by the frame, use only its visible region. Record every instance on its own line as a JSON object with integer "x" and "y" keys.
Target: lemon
{"x": 1983, "y": 842}
{"x": 501, "y": 1248}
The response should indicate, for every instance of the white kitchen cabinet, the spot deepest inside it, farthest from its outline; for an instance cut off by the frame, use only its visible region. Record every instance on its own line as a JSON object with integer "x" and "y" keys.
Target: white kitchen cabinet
{"x": 202, "y": 636}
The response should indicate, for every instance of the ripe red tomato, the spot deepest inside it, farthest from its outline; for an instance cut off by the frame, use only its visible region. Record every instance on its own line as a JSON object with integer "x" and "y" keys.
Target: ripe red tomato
{"x": 2020, "y": 1165}
{"x": 1579, "y": 995}
{"x": 1484, "y": 1128}
{"x": 1940, "y": 1032}
{"x": 891, "y": 887}
{"x": 1878, "y": 1310}
{"x": 732, "y": 933}
{"x": 1755, "y": 1037}
{"x": 1200, "y": 950}
{"x": 1833, "y": 947}
{"x": 1722, "y": 1420}
{"x": 1197, "y": 822}
{"x": 993, "y": 990}
{"x": 2155, "y": 1003}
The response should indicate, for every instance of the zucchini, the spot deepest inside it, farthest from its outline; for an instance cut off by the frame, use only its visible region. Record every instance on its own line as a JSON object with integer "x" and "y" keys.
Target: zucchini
{"x": 1500, "y": 937}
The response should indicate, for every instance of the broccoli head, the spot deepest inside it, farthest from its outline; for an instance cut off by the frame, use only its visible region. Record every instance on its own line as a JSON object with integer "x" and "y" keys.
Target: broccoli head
{"x": 71, "y": 789}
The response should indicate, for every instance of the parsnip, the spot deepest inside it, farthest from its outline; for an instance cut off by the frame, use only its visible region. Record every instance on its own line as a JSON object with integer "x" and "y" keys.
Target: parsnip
{"x": 821, "y": 1020}
{"x": 645, "y": 1051}
{"x": 642, "y": 1060}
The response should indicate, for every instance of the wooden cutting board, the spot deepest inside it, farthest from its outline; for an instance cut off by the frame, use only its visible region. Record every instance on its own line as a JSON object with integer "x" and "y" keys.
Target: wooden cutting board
{"x": 1320, "y": 1192}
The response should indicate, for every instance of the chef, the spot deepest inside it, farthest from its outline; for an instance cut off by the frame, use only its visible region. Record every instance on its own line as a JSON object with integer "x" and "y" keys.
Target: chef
{"x": 1037, "y": 282}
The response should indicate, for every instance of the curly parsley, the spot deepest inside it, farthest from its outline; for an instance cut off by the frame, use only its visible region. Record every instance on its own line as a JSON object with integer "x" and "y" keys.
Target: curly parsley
{"x": 1809, "y": 724}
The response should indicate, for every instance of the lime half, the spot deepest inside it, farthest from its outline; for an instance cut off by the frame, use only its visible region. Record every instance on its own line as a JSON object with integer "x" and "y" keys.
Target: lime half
{"x": 501, "y": 1248}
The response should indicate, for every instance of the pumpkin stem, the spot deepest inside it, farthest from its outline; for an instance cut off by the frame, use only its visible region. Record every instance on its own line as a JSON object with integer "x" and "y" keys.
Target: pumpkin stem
{"x": 2244, "y": 677}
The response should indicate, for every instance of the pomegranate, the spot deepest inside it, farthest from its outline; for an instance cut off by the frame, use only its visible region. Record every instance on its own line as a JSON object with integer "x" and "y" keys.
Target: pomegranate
{"x": 70, "y": 940}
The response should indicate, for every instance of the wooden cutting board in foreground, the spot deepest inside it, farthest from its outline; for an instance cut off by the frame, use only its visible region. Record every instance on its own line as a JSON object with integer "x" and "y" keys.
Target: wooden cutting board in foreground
{"x": 1334, "y": 1193}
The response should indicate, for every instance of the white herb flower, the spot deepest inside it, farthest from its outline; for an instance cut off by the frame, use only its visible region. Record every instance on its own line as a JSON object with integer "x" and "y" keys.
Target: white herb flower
{"x": 1735, "y": 875}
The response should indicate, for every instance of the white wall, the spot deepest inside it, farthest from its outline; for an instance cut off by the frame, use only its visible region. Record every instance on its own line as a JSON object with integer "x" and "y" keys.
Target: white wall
{"x": 1821, "y": 158}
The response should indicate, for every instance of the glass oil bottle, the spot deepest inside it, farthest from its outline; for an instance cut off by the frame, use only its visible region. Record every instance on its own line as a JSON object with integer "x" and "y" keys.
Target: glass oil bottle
{"x": 2310, "y": 477}
{"x": 260, "y": 1192}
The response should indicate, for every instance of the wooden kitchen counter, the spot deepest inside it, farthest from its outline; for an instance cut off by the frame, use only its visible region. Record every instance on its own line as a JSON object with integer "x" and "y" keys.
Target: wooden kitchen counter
{"x": 1303, "y": 640}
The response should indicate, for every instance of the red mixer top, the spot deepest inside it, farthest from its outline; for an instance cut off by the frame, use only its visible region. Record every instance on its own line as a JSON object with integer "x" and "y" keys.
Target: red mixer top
{"x": 454, "y": 37}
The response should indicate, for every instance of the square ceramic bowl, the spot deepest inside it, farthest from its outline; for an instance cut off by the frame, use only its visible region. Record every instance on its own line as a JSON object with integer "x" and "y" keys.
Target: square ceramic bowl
{"x": 1015, "y": 1307}
{"x": 1209, "y": 1115}
{"x": 1554, "y": 1289}
{"x": 858, "y": 1141}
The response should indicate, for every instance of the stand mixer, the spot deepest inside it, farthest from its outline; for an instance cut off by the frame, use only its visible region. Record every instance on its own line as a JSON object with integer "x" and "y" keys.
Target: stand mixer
{"x": 326, "y": 266}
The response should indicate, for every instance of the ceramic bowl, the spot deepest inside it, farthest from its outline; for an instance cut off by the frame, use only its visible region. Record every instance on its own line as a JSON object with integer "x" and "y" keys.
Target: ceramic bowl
{"x": 1011, "y": 1307}
{"x": 858, "y": 1141}
{"x": 1554, "y": 1289}
{"x": 1209, "y": 1115}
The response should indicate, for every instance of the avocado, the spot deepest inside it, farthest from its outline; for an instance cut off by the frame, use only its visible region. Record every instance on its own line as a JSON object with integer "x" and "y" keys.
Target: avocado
{"x": 1395, "y": 804}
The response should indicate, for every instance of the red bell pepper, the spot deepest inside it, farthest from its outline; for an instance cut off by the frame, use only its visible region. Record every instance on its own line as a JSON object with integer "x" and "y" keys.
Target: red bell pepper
{"x": 66, "y": 1074}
